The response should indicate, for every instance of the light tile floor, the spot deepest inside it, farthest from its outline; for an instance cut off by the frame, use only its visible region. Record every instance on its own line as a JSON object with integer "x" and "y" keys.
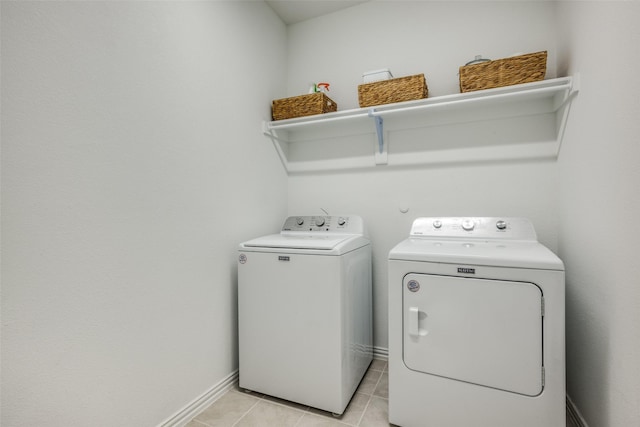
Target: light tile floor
{"x": 368, "y": 408}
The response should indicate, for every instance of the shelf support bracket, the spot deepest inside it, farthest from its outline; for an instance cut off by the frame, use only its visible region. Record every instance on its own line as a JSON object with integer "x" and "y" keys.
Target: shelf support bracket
{"x": 564, "y": 108}
{"x": 278, "y": 144}
{"x": 381, "y": 154}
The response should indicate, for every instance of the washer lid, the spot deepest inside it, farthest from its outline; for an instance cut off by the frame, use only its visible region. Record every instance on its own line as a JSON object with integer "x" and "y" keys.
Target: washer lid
{"x": 332, "y": 243}
{"x": 501, "y": 253}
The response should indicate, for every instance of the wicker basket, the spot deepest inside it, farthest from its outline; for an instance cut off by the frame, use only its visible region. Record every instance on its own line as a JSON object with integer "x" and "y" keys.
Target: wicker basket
{"x": 303, "y": 105}
{"x": 393, "y": 90}
{"x": 503, "y": 72}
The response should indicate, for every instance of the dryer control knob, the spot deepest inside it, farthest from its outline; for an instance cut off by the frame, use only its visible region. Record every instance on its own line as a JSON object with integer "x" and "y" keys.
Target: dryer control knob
{"x": 341, "y": 221}
{"x": 468, "y": 224}
{"x": 501, "y": 225}
{"x": 299, "y": 220}
{"x": 437, "y": 223}
{"x": 320, "y": 222}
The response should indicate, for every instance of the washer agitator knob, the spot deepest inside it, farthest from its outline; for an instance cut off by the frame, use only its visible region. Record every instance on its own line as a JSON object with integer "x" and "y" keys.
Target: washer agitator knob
{"x": 501, "y": 225}
{"x": 468, "y": 224}
{"x": 341, "y": 221}
{"x": 320, "y": 222}
{"x": 299, "y": 220}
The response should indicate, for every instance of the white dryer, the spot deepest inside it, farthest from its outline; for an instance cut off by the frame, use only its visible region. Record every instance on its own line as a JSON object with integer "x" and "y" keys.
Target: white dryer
{"x": 476, "y": 326}
{"x": 304, "y": 311}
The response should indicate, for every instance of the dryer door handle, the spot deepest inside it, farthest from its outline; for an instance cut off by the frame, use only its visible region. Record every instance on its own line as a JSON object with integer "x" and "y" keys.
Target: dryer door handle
{"x": 414, "y": 321}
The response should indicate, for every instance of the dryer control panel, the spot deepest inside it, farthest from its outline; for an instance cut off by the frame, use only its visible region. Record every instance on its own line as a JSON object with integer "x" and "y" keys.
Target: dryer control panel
{"x": 474, "y": 227}
{"x": 343, "y": 224}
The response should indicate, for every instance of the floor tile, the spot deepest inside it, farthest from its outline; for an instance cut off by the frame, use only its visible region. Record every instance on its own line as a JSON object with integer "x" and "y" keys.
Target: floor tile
{"x": 376, "y": 414}
{"x": 227, "y": 410}
{"x": 369, "y": 407}
{"x": 267, "y": 414}
{"x": 356, "y": 408}
{"x": 382, "y": 389}
{"x": 369, "y": 382}
{"x": 378, "y": 365}
{"x": 352, "y": 413}
{"x": 312, "y": 420}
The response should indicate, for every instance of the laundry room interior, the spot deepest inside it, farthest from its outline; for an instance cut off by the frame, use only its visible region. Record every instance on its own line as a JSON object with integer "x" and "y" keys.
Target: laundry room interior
{"x": 136, "y": 158}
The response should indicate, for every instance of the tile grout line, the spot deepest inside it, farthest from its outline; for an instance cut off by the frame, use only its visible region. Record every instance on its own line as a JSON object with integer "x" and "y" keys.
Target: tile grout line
{"x": 364, "y": 411}
{"x": 248, "y": 410}
{"x": 308, "y": 408}
{"x": 302, "y": 417}
{"x": 284, "y": 405}
{"x": 265, "y": 399}
{"x": 298, "y": 422}
{"x": 308, "y": 411}
{"x": 370, "y": 397}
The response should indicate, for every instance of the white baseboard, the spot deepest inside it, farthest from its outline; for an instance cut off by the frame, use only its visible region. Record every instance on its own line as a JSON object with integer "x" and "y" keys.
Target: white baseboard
{"x": 186, "y": 414}
{"x": 380, "y": 353}
{"x": 574, "y": 414}
{"x": 191, "y": 410}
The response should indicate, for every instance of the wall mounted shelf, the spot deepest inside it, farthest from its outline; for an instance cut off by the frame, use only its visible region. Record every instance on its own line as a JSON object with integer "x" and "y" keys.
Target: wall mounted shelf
{"x": 525, "y": 120}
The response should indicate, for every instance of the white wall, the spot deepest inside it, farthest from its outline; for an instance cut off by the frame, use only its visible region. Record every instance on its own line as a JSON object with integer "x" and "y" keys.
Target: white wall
{"x": 433, "y": 38}
{"x": 600, "y": 205}
{"x": 412, "y": 37}
{"x": 132, "y": 165}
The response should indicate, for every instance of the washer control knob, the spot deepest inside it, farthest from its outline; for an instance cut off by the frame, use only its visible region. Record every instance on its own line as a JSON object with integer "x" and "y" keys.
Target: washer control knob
{"x": 299, "y": 220}
{"x": 468, "y": 224}
{"x": 341, "y": 221}
{"x": 437, "y": 223}
{"x": 319, "y": 222}
{"x": 501, "y": 225}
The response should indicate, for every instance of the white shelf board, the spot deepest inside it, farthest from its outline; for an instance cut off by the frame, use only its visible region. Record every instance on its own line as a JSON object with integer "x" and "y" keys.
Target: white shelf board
{"x": 547, "y": 96}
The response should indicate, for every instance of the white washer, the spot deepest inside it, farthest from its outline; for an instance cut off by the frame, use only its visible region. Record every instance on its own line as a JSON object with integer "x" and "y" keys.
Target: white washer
{"x": 304, "y": 308}
{"x": 476, "y": 326}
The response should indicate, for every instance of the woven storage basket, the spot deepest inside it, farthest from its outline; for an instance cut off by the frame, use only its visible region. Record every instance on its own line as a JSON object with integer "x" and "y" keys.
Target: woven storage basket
{"x": 503, "y": 72}
{"x": 393, "y": 90}
{"x": 303, "y": 105}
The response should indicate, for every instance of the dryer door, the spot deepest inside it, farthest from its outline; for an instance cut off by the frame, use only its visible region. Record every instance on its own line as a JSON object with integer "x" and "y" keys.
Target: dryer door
{"x": 485, "y": 332}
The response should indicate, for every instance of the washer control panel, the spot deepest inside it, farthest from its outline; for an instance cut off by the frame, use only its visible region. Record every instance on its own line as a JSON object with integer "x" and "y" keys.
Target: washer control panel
{"x": 474, "y": 227}
{"x": 348, "y": 224}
